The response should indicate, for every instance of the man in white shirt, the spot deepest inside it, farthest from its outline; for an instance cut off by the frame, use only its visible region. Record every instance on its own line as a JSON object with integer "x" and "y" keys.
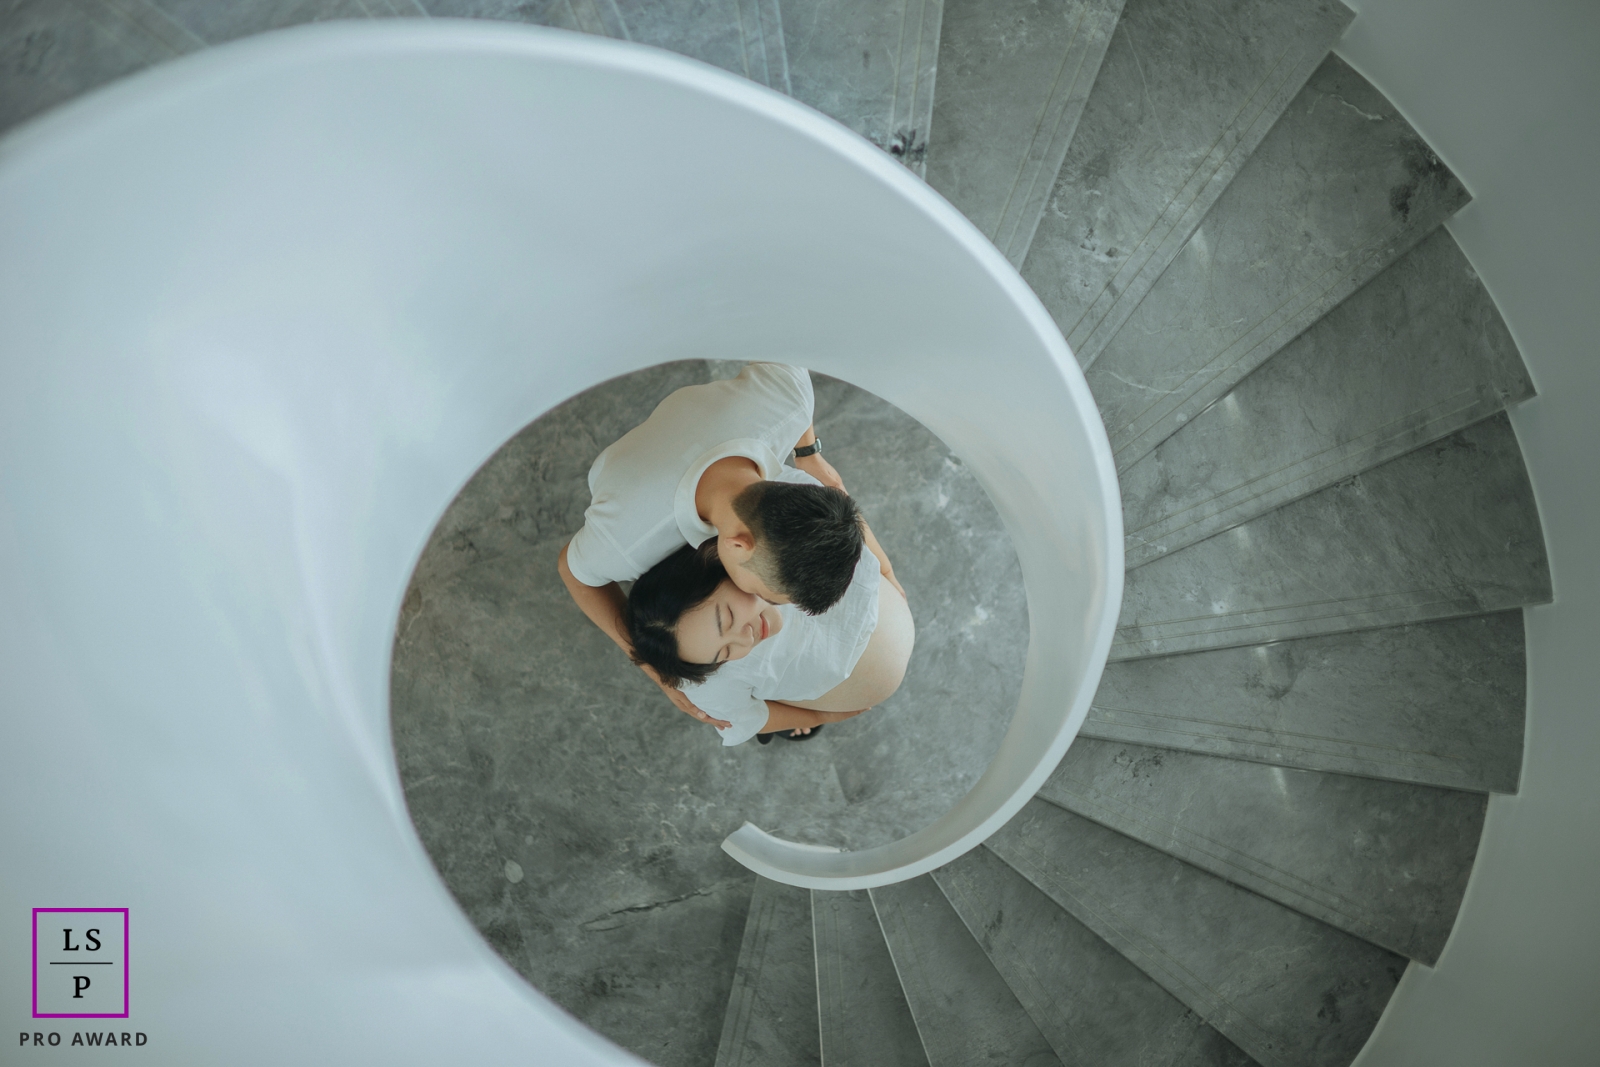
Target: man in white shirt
{"x": 709, "y": 463}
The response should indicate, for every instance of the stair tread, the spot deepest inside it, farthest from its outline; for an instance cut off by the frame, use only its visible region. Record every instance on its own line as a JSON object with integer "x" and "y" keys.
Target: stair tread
{"x": 741, "y": 36}
{"x": 1414, "y": 355}
{"x": 964, "y": 1010}
{"x": 1437, "y": 703}
{"x": 1385, "y": 861}
{"x": 772, "y": 1007}
{"x": 1288, "y": 990}
{"x": 868, "y": 66}
{"x": 1450, "y": 529}
{"x": 863, "y": 1017}
{"x": 1094, "y": 1007}
{"x": 1013, "y": 79}
{"x": 1340, "y": 188}
{"x": 1186, "y": 92}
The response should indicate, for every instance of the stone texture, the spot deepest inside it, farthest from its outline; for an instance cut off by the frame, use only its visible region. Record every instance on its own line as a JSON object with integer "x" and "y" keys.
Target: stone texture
{"x": 1439, "y": 703}
{"x": 512, "y": 714}
{"x": 1013, "y": 79}
{"x": 1448, "y": 530}
{"x": 1344, "y": 182}
{"x": 1187, "y": 90}
{"x": 964, "y": 1010}
{"x": 1095, "y": 1007}
{"x": 54, "y": 50}
{"x": 1288, "y": 990}
{"x": 215, "y": 22}
{"x": 1385, "y": 861}
{"x": 864, "y": 1018}
{"x": 742, "y": 36}
{"x": 1416, "y": 354}
{"x": 869, "y": 66}
{"x": 772, "y": 1009}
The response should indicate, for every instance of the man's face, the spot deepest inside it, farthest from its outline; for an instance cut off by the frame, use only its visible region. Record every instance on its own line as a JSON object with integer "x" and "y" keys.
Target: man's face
{"x": 735, "y": 560}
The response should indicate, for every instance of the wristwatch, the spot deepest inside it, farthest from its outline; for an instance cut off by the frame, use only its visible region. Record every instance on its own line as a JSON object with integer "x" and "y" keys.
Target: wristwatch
{"x": 810, "y": 450}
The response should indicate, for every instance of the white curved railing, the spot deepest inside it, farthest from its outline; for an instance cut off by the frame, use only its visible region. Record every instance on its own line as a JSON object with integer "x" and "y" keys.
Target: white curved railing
{"x": 263, "y": 312}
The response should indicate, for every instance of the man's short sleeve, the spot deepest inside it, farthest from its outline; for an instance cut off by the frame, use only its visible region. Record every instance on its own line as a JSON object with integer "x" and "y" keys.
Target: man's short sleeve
{"x": 795, "y": 381}
{"x": 594, "y": 561}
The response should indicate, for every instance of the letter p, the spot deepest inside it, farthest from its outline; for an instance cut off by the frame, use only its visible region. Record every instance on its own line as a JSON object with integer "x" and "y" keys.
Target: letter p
{"x": 79, "y": 984}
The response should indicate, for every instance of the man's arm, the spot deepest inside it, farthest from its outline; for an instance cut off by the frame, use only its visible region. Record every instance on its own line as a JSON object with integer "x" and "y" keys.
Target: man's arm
{"x": 603, "y": 605}
{"x": 815, "y": 465}
{"x": 781, "y": 716}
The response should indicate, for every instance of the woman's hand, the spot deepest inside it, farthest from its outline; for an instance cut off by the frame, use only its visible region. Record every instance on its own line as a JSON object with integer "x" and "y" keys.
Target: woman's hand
{"x": 681, "y": 702}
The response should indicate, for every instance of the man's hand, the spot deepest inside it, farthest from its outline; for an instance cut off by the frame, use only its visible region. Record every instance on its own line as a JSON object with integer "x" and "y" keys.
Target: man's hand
{"x": 681, "y": 702}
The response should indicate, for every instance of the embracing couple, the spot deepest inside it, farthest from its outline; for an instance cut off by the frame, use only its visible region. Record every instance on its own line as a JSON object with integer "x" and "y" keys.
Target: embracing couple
{"x": 761, "y": 603}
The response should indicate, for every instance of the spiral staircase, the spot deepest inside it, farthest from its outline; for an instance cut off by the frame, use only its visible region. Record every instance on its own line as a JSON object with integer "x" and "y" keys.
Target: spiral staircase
{"x": 1318, "y": 674}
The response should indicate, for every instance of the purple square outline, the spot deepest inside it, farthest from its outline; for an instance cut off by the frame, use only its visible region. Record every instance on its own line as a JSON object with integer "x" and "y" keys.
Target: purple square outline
{"x": 102, "y": 1015}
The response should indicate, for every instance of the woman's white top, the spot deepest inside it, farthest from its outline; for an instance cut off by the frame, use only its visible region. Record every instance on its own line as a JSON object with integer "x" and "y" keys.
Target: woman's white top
{"x": 807, "y": 657}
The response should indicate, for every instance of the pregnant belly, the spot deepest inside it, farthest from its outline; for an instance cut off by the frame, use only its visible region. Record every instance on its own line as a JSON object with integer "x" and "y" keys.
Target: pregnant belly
{"x": 881, "y": 667}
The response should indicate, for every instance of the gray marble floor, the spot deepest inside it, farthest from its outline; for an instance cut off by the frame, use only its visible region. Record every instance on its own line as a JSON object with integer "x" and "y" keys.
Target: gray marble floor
{"x": 525, "y": 738}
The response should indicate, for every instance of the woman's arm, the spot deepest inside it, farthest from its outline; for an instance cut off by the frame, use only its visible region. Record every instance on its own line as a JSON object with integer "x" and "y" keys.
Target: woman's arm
{"x": 603, "y": 605}
{"x": 781, "y": 716}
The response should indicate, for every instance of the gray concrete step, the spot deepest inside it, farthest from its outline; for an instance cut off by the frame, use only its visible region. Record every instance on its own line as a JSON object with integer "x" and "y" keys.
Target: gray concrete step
{"x": 742, "y": 36}
{"x": 1095, "y": 1007}
{"x": 1288, "y": 990}
{"x": 863, "y": 1017}
{"x": 964, "y": 1010}
{"x": 1437, "y": 703}
{"x": 1013, "y": 78}
{"x": 1186, "y": 92}
{"x": 1446, "y": 531}
{"x": 772, "y": 1007}
{"x": 1339, "y": 189}
{"x": 1385, "y": 861}
{"x": 869, "y": 66}
{"x": 1414, "y": 355}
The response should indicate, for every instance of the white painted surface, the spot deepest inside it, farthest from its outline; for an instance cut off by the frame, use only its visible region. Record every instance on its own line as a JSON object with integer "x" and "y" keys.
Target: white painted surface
{"x": 262, "y": 313}
{"x": 1509, "y": 95}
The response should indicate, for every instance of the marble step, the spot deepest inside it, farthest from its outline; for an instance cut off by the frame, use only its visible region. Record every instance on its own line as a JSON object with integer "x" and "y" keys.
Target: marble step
{"x": 54, "y": 50}
{"x": 862, "y": 1013}
{"x": 1437, "y": 703}
{"x": 1187, "y": 90}
{"x": 1339, "y": 189}
{"x": 1094, "y": 1007}
{"x": 1288, "y": 990}
{"x": 1013, "y": 78}
{"x": 1445, "y": 531}
{"x": 742, "y": 36}
{"x": 869, "y": 66}
{"x": 1417, "y": 353}
{"x": 964, "y": 1010}
{"x": 772, "y": 1007}
{"x": 1385, "y": 861}
{"x": 216, "y": 21}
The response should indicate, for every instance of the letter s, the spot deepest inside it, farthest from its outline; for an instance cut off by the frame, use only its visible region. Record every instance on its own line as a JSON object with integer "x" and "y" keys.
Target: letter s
{"x": 94, "y": 942}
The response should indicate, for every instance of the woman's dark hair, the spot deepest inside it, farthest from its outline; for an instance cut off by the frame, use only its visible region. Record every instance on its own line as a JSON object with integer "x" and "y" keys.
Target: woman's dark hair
{"x": 808, "y": 539}
{"x": 680, "y": 583}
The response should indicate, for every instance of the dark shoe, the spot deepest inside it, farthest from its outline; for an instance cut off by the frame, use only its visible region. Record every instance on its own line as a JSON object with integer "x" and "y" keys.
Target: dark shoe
{"x": 766, "y": 739}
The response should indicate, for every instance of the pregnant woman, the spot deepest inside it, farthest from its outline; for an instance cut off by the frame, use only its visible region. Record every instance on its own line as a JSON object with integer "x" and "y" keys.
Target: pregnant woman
{"x": 767, "y": 667}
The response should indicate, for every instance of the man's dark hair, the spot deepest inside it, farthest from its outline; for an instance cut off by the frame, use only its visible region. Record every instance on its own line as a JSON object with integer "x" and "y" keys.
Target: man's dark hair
{"x": 681, "y": 582}
{"x": 808, "y": 539}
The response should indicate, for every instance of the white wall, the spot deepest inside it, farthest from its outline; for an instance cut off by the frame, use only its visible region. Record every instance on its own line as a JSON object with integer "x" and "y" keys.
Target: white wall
{"x": 1509, "y": 95}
